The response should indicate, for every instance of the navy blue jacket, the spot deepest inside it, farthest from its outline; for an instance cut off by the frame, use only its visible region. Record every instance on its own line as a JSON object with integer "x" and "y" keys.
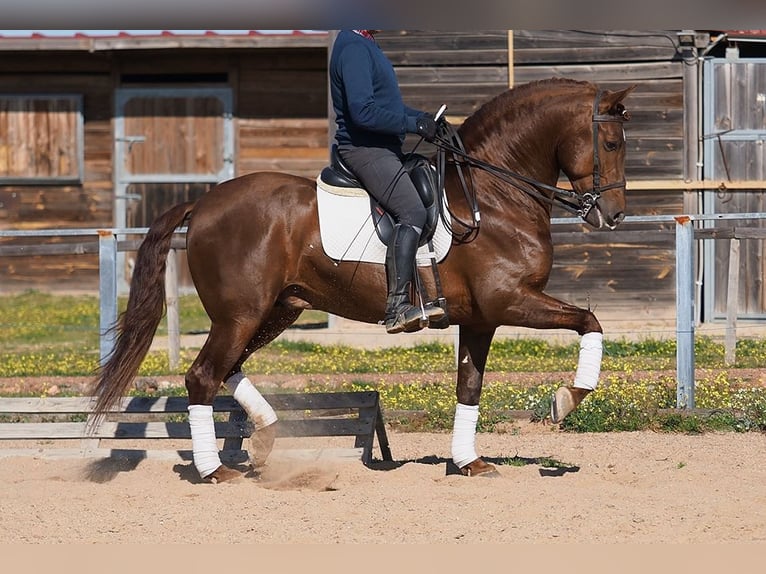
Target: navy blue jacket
{"x": 365, "y": 94}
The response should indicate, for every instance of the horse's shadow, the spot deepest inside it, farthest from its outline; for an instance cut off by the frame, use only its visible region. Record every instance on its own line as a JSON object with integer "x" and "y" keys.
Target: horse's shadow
{"x": 106, "y": 469}
{"x": 102, "y": 470}
{"x": 548, "y": 466}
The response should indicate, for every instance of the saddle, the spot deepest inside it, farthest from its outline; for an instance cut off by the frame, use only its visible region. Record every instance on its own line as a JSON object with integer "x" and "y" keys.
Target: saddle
{"x": 339, "y": 176}
{"x": 423, "y": 176}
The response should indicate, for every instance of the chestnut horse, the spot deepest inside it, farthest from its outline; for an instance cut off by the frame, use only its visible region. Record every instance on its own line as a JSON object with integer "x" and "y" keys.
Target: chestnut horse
{"x": 256, "y": 259}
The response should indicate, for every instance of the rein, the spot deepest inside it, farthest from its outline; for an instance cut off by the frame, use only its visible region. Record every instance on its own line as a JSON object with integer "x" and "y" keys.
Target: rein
{"x": 569, "y": 200}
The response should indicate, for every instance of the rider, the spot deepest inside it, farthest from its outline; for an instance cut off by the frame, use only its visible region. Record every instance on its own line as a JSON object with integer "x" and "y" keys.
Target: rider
{"x": 372, "y": 121}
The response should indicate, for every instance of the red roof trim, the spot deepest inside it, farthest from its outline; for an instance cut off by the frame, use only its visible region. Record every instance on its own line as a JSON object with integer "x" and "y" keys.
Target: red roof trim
{"x": 43, "y": 35}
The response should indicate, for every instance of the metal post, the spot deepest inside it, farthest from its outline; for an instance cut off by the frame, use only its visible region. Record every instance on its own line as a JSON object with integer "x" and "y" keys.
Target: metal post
{"x": 171, "y": 303}
{"x": 107, "y": 292}
{"x": 685, "y": 312}
{"x": 732, "y": 305}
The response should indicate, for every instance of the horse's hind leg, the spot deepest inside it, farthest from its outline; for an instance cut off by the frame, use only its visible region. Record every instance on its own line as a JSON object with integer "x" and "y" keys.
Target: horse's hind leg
{"x": 224, "y": 345}
{"x": 226, "y": 349}
{"x": 472, "y": 358}
{"x": 257, "y": 408}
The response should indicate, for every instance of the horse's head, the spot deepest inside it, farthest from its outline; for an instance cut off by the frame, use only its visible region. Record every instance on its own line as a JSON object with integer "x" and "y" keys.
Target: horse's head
{"x": 592, "y": 155}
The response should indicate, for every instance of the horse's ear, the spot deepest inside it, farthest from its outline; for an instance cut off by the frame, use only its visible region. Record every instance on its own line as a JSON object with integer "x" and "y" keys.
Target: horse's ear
{"x": 611, "y": 101}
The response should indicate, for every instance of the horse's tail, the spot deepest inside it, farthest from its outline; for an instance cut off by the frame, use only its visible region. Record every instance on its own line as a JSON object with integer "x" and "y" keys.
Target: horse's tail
{"x": 146, "y": 305}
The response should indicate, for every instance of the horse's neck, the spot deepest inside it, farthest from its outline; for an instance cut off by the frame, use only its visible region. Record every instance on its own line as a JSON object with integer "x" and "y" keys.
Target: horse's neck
{"x": 525, "y": 152}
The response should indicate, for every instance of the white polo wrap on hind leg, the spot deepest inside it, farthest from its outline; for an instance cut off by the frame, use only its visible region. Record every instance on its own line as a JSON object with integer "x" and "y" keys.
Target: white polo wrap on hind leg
{"x": 589, "y": 363}
{"x": 464, "y": 434}
{"x": 253, "y": 403}
{"x": 204, "y": 445}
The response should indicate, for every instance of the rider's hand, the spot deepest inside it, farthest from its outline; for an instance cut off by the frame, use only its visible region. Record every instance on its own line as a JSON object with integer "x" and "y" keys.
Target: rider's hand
{"x": 426, "y": 127}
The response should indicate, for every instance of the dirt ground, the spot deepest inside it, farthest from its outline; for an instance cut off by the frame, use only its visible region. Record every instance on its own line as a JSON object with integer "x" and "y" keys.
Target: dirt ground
{"x": 638, "y": 487}
{"x": 617, "y": 488}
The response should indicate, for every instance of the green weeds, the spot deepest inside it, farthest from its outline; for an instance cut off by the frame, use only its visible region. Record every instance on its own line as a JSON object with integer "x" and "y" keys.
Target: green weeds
{"x": 47, "y": 335}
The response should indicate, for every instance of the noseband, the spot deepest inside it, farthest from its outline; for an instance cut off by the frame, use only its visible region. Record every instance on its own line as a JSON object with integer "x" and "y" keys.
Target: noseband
{"x": 569, "y": 200}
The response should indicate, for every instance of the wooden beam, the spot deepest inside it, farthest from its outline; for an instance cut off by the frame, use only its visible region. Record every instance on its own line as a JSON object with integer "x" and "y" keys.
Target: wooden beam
{"x": 667, "y": 184}
{"x": 678, "y": 184}
{"x": 510, "y": 59}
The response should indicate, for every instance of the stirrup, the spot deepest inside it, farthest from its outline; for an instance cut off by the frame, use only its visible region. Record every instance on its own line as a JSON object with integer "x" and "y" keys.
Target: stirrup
{"x": 433, "y": 311}
{"x": 407, "y": 319}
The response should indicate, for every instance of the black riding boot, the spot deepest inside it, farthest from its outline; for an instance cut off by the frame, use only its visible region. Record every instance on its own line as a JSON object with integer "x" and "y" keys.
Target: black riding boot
{"x": 401, "y": 314}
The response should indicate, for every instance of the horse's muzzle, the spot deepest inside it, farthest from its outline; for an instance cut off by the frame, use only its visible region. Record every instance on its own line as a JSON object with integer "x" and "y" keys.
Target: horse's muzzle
{"x": 600, "y": 218}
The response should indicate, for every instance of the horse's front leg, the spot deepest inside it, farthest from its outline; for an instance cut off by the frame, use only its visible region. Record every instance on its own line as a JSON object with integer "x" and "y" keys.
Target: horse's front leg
{"x": 540, "y": 311}
{"x": 566, "y": 399}
{"x": 472, "y": 358}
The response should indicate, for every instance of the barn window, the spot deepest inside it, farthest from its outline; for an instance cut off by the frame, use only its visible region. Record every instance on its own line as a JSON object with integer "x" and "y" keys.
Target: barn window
{"x": 41, "y": 138}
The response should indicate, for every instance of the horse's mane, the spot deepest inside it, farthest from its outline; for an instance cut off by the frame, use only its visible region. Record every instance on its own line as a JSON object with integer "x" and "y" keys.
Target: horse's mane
{"x": 519, "y": 100}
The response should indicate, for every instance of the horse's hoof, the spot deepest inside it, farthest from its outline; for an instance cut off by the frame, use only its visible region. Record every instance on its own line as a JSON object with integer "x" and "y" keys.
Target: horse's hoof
{"x": 261, "y": 444}
{"x": 223, "y": 474}
{"x": 479, "y": 468}
{"x": 564, "y": 401}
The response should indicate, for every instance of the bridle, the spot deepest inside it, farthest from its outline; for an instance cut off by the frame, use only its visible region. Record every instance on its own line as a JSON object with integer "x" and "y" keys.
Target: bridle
{"x": 588, "y": 200}
{"x": 577, "y": 203}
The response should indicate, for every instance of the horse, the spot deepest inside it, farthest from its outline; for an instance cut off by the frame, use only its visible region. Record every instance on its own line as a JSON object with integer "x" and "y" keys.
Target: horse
{"x": 256, "y": 260}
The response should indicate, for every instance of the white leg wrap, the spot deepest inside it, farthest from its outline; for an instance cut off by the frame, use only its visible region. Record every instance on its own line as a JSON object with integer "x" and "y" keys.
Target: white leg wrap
{"x": 589, "y": 363}
{"x": 256, "y": 407}
{"x": 204, "y": 445}
{"x": 464, "y": 434}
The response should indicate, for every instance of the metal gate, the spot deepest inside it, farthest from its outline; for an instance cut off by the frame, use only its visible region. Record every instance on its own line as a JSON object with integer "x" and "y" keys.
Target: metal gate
{"x": 170, "y": 145}
{"x": 734, "y": 133}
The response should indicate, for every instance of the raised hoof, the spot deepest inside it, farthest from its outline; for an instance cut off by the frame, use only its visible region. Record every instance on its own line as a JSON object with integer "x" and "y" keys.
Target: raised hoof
{"x": 261, "y": 444}
{"x": 223, "y": 474}
{"x": 479, "y": 468}
{"x": 564, "y": 401}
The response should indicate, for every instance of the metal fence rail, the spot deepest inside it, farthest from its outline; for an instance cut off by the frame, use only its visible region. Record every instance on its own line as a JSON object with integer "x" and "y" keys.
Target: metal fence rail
{"x": 685, "y": 235}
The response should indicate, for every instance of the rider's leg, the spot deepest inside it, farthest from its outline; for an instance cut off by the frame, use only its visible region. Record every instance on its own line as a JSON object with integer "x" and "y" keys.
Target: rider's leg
{"x": 401, "y": 314}
{"x": 382, "y": 173}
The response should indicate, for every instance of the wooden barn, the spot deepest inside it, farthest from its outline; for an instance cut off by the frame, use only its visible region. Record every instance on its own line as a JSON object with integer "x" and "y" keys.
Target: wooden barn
{"x": 107, "y": 131}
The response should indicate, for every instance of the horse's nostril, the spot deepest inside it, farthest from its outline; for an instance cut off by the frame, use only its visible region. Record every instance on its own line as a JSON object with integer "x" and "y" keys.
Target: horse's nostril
{"x": 619, "y": 217}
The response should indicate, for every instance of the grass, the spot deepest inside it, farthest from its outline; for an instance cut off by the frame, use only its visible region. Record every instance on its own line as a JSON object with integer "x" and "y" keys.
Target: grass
{"x": 51, "y": 335}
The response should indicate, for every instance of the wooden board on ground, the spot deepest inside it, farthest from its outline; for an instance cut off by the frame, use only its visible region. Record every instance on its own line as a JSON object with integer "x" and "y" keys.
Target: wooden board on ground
{"x": 45, "y": 424}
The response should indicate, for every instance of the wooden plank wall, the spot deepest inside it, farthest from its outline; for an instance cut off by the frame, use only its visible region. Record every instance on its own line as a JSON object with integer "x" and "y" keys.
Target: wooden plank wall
{"x": 615, "y": 60}
{"x": 282, "y": 112}
{"x": 35, "y": 206}
{"x": 280, "y": 108}
{"x": 61, "y": 206}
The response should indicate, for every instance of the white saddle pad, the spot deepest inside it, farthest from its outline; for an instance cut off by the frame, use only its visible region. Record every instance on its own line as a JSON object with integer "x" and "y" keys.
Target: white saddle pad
{"x": 347, "y": 232}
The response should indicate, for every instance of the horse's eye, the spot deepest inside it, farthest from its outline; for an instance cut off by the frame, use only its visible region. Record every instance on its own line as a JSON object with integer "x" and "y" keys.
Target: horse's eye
{"x": 610, "y": 146}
